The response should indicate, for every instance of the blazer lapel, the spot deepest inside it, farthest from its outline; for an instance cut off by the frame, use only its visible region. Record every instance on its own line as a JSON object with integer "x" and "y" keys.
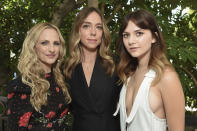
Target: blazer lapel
{"x": 97, "y": 85}
{"x": 89, "y": 91}
{"x": 83, "y": 87}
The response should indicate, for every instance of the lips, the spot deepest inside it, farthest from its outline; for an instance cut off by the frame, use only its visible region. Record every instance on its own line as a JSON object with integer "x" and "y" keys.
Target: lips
{"x": 51, "y": 55}
{"x": 92, "y": 40}
{"x": 133, "y": 48}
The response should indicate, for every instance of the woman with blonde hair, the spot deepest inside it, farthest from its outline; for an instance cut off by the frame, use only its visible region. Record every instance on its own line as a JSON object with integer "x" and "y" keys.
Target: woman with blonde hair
{"x": 38, "y": 99}
{"x": 151, "y": 98}
{"x": 90, "y": 71}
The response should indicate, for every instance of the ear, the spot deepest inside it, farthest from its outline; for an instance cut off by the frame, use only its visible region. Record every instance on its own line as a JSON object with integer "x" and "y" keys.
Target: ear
{"x": 154, "y": 40}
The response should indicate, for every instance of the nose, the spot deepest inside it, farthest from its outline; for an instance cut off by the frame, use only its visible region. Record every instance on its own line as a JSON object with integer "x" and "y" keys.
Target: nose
{"x": 51, "y": 48}
{"x": 131, "y": 40}
{"x": 93, "y": 31}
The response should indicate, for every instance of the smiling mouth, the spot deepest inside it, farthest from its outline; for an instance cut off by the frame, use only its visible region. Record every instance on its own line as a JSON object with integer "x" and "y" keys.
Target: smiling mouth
{"x": 51, "y": 56}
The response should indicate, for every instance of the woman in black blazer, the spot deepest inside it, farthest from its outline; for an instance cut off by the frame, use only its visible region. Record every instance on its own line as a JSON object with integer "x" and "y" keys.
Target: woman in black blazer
{"x": 90, "y": 73}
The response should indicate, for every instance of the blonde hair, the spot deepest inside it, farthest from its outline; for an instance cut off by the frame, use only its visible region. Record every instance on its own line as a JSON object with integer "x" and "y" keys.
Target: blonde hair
{"x": 32, "y": 73}
{"x": 158, "y": 61}
{"x": 75, "y": 47}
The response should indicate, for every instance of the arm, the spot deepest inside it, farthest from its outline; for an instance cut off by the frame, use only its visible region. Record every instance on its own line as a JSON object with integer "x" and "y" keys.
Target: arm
{"x": 174, "y": 101}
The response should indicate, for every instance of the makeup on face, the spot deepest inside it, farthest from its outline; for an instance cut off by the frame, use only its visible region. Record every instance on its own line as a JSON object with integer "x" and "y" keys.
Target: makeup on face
{"x": 91, "y": 32}
{"x": 48, "y": 48}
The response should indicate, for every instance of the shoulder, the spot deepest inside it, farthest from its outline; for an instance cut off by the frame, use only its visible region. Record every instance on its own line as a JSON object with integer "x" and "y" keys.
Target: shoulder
{"x": 16, "y": 85}
{"x": 170, "y": 82}
{"x": 173, "y": 99}
{"x": 169, "y": 76}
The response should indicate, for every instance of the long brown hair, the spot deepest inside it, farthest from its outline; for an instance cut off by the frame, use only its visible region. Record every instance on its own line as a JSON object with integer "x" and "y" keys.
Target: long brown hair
{"x": 75, "y": 47}
{"x": 158, "y": 61}
{"x": 32, "y": 73}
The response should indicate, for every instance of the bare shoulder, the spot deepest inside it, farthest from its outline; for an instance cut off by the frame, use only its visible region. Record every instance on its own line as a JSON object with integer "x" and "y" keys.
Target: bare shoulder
{"x": 170, "y": 85}
{"x": 173, "y": 99}
{"x": 169, "y": 74}
{"x": 169, "y": 79}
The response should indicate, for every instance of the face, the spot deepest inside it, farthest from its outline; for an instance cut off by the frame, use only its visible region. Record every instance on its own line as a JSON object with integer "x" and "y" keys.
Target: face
{"x": 137, "y": 41}
{"x": 47, "y": 48}
{"x": 91, "y": 32}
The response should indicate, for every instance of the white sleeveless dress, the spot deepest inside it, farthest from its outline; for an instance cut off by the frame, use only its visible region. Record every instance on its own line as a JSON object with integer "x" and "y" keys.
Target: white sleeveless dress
{"x": 141, "y": 117}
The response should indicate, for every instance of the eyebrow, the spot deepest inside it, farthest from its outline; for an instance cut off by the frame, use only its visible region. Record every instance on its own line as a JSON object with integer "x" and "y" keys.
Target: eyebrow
{"x": 44, "y": 40}
{"x": 139, "y": 30}
{"x": 135, "y": 30}
{"x": 48, "y": 41}
{"x": 57, "y": 41}
{"x": 86, "y": 22}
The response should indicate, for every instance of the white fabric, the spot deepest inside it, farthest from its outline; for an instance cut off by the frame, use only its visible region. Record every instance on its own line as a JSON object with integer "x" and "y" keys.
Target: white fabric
{"x": 141, "y": 117}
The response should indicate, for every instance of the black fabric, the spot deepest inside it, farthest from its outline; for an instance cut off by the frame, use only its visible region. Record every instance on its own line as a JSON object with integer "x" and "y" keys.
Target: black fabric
{"x": 93, "y": 106}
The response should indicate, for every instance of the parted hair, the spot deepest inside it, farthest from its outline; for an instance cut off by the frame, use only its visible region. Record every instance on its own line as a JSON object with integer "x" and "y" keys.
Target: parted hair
{"x": 75, "y": 50}
{"x": 158, "y": 61}
{"x": 33, "y": 74}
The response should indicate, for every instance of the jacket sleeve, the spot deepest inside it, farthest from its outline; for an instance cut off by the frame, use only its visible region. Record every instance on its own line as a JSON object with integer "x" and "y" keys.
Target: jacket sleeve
{"x": 19, "y": 108}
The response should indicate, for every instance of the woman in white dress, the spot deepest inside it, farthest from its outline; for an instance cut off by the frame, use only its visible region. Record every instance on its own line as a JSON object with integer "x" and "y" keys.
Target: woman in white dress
{"x": 152, "y": 98}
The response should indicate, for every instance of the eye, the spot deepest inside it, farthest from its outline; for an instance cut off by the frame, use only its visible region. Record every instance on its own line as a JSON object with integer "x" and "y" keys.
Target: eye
{"x": 56, "y": 43}
{"x": 44, "y": 43}
{"x": 99, "y": 27}
{"x": 125, "y": 35}
{"x": 85, "y": 26}
{"x": 139, "y": 33}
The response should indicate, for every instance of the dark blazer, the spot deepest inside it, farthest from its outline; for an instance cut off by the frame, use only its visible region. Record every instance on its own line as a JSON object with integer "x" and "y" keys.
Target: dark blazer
{"x": 93, "y": 107}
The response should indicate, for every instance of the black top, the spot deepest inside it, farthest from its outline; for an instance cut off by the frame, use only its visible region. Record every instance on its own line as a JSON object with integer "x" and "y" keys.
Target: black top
{"x": 93, "y": 106}
{"x": 21, "y": 114}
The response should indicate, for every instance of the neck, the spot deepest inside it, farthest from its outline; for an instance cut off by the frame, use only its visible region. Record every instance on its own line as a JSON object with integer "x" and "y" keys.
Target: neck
{"x": 89, "y": 56}
{"x": 143, "y": 63}
{"x": 142, "y": 68}
{"x": 47, "y": 68}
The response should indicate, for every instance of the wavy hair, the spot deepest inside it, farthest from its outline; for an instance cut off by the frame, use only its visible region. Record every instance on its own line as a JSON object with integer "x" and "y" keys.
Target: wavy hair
{"x": 75, "y": 49}
{"x": 32, "y": 73}
{"x": 158, "y": 61}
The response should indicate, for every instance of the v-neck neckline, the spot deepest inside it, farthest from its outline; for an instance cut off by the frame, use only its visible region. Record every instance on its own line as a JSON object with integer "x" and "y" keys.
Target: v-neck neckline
{"x": 136, "y": 97}
{"x": 91, "y": 78}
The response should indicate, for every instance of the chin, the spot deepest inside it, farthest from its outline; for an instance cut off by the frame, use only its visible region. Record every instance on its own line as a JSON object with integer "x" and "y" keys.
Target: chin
{"x": 92, "y": 48}
{"x": 134, "y": 54}
{"x": 50, "y": 62}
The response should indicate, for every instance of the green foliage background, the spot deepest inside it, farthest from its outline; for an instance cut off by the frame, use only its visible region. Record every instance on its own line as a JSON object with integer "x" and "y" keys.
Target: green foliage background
{"x": 179, "y": 29}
